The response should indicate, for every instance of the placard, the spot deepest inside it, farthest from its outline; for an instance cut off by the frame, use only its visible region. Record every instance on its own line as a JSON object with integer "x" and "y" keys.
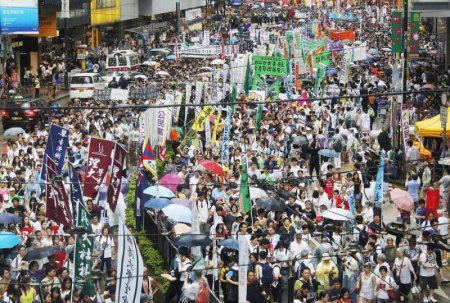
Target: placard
{"x": 271, "y": 66}
{"x": 143, "y": 93}
{"x": 102, "y": 94}
{"x": 119, "y": 94}
{"x": 321, "y": 58}
{"x": 343, "y": 35}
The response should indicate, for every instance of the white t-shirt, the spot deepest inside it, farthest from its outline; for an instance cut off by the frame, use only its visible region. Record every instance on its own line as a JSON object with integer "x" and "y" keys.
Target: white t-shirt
{"x": 443, "y": 226}
{"x": 106, "y": 245}
{"x": 426, "y": 258}
{"x": 404, "y": 266}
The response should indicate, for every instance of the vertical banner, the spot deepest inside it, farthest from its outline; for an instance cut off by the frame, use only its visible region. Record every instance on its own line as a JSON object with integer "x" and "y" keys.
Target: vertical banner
{"x": 243, "y": 260}
{"x": 148, "y": 158}
{"x": 161, "y": 125}
{"x": 207, "y": 133}
{"x": 176, "y": 107}
{"x": 405, "y": 128}
{"x": 84, "y": 246}
{"x": 187, "y": 100}
{"x": 130, "y": 268}
{"x": 57, "y": 208}
{"x": 396, "y": 31}
{"x": 116, "y": 176}
{"x": 216, "y": 126}
{"x": 245, "y": 204}
{"x": 378, "y": 191}
{"x": 65, "y": 9}
{"x": 414, "y": 30}
{"x": 76, "y": 194}
{"x": 56, "y": 147}
{"x": 99, "y": 159}
{"x": 206, "y": 38}
{"x": 225, "y": 152}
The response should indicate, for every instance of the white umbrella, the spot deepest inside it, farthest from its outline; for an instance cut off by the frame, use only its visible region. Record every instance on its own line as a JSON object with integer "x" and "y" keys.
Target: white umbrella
{"x": 143, "y": 77}
{"x": 14, "y": 131}
{"x": 206, "y": 74}
{"x": 217, "y": 62}
{"x": 162, "y": 73}
{"x": 338, "y": 214}
{"x": 256, "y": 193}
{"x": 148, "y": 63}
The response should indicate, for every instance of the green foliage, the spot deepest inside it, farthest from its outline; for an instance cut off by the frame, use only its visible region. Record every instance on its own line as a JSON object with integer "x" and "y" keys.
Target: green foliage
{"x": 152, "y": 258}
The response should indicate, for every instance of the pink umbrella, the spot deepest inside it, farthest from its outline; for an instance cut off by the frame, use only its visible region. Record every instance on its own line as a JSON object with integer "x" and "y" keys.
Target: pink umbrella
{"x": 402, "y": 199}
{"x": 171, "y": 181}
{"x": 184, "y": 202}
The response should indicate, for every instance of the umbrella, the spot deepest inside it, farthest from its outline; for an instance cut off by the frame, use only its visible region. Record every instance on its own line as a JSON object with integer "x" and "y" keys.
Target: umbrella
{"x": 329, "y": 153}
{"x": 230, "y": 243}
{"x": 7, "y": 218}
{"x": 159, "y": 191}
{"x": 386, "y": 49}
{"x": 373, "y": 51}
{"x": 41, "y": 253}
{"x": 204, "y": 74}
{"x": 271, "y": 204}
{"x": 217, "y": 62}
{"x": 299, "y": 141}
{"x": 205, "y": 69}
{"x": 331, "y": 71}
{"x": 370, "y": 59}
{"x": 184, "y": 202}
{"x": 338, "y": 214}
{"x": 171, "y": 57}
{"x": 14, "y": 131}
{"x": 8, "y": 240}
{"x": 192, "y": 240}
{"x": 171, "y": 181}
{"x": 182, "y": 228}
{"x": 402, "y": 199}
{"x": 143, "y": 77}
{"x": 178, "y": 213}
{"x": 157, "y": 203}
{"x": 162, "y": 73}
{"x": 212, "y": 167}
{"x": 256, "y": 193}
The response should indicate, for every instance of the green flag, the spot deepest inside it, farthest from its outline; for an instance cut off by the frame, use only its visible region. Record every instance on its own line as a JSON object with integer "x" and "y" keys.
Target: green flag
{"x": 319, "y": 78}
{"x": 248, "y": 77}
{"x": 258, "y": 117}
{"x": 84, "y": 246}
{"x": 244, "y": 199}
{"x": 233, "y": 97}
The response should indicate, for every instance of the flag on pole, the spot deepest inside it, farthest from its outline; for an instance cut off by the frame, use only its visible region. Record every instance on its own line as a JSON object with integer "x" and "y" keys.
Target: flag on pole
{"x": 76, "y": 194}
{"x": 244, "y": 199}
{"x": 258, "y": 117}
{"x": 233, "y": 98}
{"x": 378, "y": 191}
{"x": 248, "y": 77}
{"x": 148, "y": 158}
{"x": 130, "y": 268}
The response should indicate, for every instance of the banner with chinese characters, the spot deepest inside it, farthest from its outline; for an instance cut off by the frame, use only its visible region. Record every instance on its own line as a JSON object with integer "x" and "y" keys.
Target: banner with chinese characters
{"x": 396, "y": 31}
{"x": 99, "y": 159}
{"x": 343, "y": 35}
{"x": 225, "y": 152}
{"x": 271, "y": 66}
{"x": 116, "y": 176}
{"x": 321, "y": 58}
{"x": 57, "y": 207}
{"x": 414, "y": 30}
{"x": 84, "y": 246}
{"x": 55, "y": 149}
{"x": 130, "y": 268}
{"x": 378, "y": 191}
{"x": 76, "y": 194}
{"x": 201, "y": 119}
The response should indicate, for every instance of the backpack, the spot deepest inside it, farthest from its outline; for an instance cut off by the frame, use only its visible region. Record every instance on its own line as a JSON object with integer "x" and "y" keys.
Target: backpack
{"x": 267, "y": 274}
{"x": 300, "y": 269}
{"x": 363, "y": 237}
{"x": 337, "y": 145}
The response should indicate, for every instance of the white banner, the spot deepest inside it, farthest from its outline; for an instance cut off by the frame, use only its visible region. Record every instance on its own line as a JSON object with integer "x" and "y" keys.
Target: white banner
{"x": 360, "y": 52}
{"x": 206, "y": 38}
{"x": 151, "y": 125}
{"x": 207, "y": 133}
{"x": 188, "y": 100}
{"x": 65, "y": 9}
{"x": 243, "y": 259}
{"x": 130, "y": 267}
{"x": 193, "y": 14}
{"x": 176, "y": 107}
{"x": 119, "y": 94}
{"x": 405, "y": 129}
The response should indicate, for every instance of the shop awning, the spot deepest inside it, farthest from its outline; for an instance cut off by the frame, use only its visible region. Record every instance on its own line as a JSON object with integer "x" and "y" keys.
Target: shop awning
{"x": 152, "y": 28}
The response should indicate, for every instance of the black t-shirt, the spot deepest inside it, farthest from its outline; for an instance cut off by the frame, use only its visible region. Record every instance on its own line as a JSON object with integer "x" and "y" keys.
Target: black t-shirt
{"x": 254, "y": 293}
{"x": 13, "y": 209}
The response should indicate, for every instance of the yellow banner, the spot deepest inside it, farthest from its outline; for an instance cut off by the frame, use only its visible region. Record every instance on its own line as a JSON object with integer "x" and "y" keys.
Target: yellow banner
{"x": 216, "y": 126}
{"x": 201, "y": 119}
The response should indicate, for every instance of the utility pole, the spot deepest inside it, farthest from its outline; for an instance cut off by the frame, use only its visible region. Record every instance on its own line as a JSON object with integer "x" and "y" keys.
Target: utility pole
{"x": 178, "y": 17}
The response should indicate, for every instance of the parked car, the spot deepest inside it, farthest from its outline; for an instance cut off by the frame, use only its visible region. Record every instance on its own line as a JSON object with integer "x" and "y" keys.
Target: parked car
{"x": 24, "y": 113}
{"x": 82, "y": 85}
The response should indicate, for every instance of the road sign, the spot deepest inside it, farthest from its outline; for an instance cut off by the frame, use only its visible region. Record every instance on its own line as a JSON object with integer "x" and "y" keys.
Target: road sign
{"x": 444, "y": 117}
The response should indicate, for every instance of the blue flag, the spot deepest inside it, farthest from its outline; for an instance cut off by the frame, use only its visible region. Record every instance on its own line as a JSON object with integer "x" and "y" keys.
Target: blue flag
{"x": 378, "y": 192}
{"x": 57, "y": 143}
{"x": 76, "y": 195}
{"x": 140, "y": 198}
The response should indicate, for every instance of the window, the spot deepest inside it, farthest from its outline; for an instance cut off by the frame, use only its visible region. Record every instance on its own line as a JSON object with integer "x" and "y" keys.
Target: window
{"x": 112, "y": 61}
{"x": 81, "y": 80}
{"x": 122, "y": 61}
{"x": 134, "y": 60}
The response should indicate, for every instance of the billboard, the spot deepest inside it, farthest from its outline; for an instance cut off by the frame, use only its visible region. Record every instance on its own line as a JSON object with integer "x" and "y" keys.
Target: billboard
{"x": 104, "y": 11}
{"x": 19, "y": 17}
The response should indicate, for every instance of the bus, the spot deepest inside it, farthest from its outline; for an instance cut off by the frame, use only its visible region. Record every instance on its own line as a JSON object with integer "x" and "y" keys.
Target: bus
{"x": 122, "y": 61}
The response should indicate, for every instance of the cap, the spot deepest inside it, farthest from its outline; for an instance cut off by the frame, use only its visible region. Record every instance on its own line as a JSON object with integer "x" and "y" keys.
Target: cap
{"x": 326, "y": 257}
{"x": 12, "y": 189}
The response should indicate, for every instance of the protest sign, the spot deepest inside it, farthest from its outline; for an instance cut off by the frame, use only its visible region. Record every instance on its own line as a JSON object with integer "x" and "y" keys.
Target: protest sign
{"x": 271, "y": 66}
{"x": 119, "y": 94}
{"x": 342, "y": 35}
{"x": 143, "y": 93}
{"x": 102, "y": 94}
{"x": 321, "y": 58}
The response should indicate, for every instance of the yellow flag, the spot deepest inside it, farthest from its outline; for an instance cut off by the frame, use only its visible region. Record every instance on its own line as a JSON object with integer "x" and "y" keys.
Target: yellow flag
{"x": 216, "y": 125}
{"x": 201, "y": 119}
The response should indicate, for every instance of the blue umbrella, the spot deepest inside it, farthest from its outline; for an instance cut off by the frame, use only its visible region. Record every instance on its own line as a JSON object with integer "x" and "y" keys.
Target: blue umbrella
{"x": 230, "y": 243}
{"x": 373, "y": 51}
{"x": 157, "y": 203}
{"x": 178, "y": 213}
{"x": 8, "y": 240}
{"x": 370, "y": 59}
{"x": 7, "y": 218}
{"x": 159, "y": 191}
{"x": 192, "y": 240}
{"x": 331, "y": 71}
{"x": 171, "y": 57}
{"x": 329, "y": 153}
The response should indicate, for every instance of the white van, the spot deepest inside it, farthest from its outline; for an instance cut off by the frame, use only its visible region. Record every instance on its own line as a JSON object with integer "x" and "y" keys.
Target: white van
{"x": 124, "y": 61}
{"x": 82, "y": 85}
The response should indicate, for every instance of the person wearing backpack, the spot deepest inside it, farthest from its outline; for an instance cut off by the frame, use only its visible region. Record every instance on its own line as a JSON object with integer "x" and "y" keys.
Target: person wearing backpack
{"x": 264, "y": 272}
{"x": 338, "y": 146}
{"x": 232, "y": 293}
{"x": 360, "y": 233}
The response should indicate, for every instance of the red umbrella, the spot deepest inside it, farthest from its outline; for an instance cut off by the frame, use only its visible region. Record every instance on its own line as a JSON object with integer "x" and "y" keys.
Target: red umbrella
{"x": 402, "y": 199}
{"x": 212, "y": 167}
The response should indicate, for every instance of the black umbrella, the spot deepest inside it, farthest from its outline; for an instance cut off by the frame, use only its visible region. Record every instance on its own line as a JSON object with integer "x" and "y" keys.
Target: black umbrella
{"x": 189, "y": 240}
{"x": 271, "y": 204}
{"x": 41, "y": 253}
